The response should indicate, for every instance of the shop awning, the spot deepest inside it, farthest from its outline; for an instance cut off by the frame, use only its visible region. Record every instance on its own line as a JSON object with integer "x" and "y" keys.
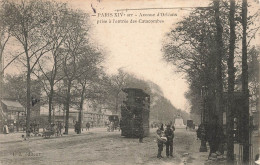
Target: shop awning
{"x": 13, "y": 106}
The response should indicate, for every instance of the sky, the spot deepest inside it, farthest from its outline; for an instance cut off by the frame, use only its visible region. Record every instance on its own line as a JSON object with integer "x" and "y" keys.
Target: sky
{"x": 136, "y": 47}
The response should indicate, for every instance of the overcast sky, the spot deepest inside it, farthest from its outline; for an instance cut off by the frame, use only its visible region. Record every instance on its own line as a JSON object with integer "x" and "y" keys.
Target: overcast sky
{"x": 137, "y": 47}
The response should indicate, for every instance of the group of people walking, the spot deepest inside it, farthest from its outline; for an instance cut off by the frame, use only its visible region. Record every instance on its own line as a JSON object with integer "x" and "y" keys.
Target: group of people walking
{"x": 77, "y": 127}
{"x": 56, "y": 128}
{"x": 211, "y": 132}
{"x": 165, "y": 137}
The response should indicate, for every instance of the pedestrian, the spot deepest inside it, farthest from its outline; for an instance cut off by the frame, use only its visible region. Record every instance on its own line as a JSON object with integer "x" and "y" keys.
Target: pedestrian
{"x": 173, "y": 128}
{"x": 141, "y": 132}
{"x": 111, "y": 126}
{"x": 24, "y": 127}
{"x": 199, "y": 132}
{"x": 6, "y": 129}
{"x": 160, "y": 142}
{"x": 162, "y": 129}
{"x": 169, "y": 143}
{"x": 87, "y": 126}
{"x": 55, "y": 129}
{"x": 17, "y": 126}
{"x": 62, "y": 127}
{"x": 11, "y": 129}
{"x": 30, "y": 129}
{"x": 34, "y": 126}
{"x": 76, "y": 127}
{"x": 215, "y": 136}
{"x": 257, "y": 159}
{"x": 59, "y": 129}
{"x": 120, "y": 124}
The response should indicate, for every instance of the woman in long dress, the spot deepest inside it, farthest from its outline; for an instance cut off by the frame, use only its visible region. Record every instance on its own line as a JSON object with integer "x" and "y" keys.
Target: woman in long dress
{"x": 6, "y": 130}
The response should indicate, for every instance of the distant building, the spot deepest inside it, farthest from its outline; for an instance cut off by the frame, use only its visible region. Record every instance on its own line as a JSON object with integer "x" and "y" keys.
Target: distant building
{"x": 96, "y": 119}
{"x": 12, "y": 113}
{"x": 97, "y": 116}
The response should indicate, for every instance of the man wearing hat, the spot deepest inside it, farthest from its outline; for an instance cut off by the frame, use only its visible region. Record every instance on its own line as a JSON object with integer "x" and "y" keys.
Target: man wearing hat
{"x": 160, "y": 142}
{"x": 169, "y": 143}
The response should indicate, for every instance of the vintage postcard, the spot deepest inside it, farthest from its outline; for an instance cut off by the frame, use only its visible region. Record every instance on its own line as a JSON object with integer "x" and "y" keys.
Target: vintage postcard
{"x": 111, "y": 82}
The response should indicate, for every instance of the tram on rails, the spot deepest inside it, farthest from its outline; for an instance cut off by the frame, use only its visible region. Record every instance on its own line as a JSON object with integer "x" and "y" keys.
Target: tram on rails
{"x": 135, "y": 113}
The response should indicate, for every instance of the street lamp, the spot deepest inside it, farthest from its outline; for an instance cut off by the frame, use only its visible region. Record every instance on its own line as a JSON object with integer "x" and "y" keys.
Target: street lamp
{"x": 203, "y": 146}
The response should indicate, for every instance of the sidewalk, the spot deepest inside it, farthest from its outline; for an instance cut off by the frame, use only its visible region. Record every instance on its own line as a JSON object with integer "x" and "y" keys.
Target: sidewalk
{"x": 17, "y": 136}
{"x": 202, "y": 157}
{"x": 194, "y": 156}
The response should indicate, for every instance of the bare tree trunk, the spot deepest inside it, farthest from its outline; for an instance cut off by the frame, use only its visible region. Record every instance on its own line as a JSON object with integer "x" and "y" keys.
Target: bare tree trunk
{"x": 67, "y": 107}
{"x": 231, "y": 84}
{"x": 116, "y": 104}
{"x": 219, "y": 55}
{"x": 245, "y": 115}
{"x": 1, "y": 74}
{"x": 1, "y": 81}
{"x": 50, "y": 102}
{"x": 1, "y": 84}
{"x": 81, "y": 107}
{"x": 28, "y": 99}
{"x": 2, "y": 46}
{"x": 28, "y": 82}
{"x": 53, "y": 114}
{"x": 2, "y": 66}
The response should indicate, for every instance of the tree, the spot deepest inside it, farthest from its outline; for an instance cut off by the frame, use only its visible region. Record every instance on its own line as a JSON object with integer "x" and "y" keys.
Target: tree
{"x": 114, "y": 86}
{"x": 57, "y": 32}
{"x": 75, "y": 46}
{"x": 4, "y": 38}
{"x": 29, "y": 19}
{"x": 15, "y": 87}
{"x": 231, "y": 83}
{"x": 253, "y": 76}
{"x": 194, "y": 97}
{"x": 245, "y": 129}
{"x": 89, "y": 76}
{"x": 219, "y": 56}
{"x": 193, "y": 50}
{"x": 210, "y": 35}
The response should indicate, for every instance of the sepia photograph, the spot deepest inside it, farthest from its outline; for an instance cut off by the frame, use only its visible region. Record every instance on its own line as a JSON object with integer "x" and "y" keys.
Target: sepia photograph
{"x": 129, "y": 82}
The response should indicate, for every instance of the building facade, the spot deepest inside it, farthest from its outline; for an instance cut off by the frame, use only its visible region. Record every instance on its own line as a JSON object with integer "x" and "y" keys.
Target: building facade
{"x": 12, "y": 114}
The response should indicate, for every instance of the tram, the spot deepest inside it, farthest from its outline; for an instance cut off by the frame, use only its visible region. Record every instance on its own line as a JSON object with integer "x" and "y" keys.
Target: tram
{"x": 135, "y": 113}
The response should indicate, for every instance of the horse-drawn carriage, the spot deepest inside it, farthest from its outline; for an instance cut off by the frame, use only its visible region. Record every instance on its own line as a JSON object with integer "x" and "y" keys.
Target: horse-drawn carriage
{"x": 52, "y": 130}
{"x": 114, "y": 123}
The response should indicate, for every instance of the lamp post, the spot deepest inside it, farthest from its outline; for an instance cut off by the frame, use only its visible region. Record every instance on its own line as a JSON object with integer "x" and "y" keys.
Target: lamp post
{"x": 203, "y": 146}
